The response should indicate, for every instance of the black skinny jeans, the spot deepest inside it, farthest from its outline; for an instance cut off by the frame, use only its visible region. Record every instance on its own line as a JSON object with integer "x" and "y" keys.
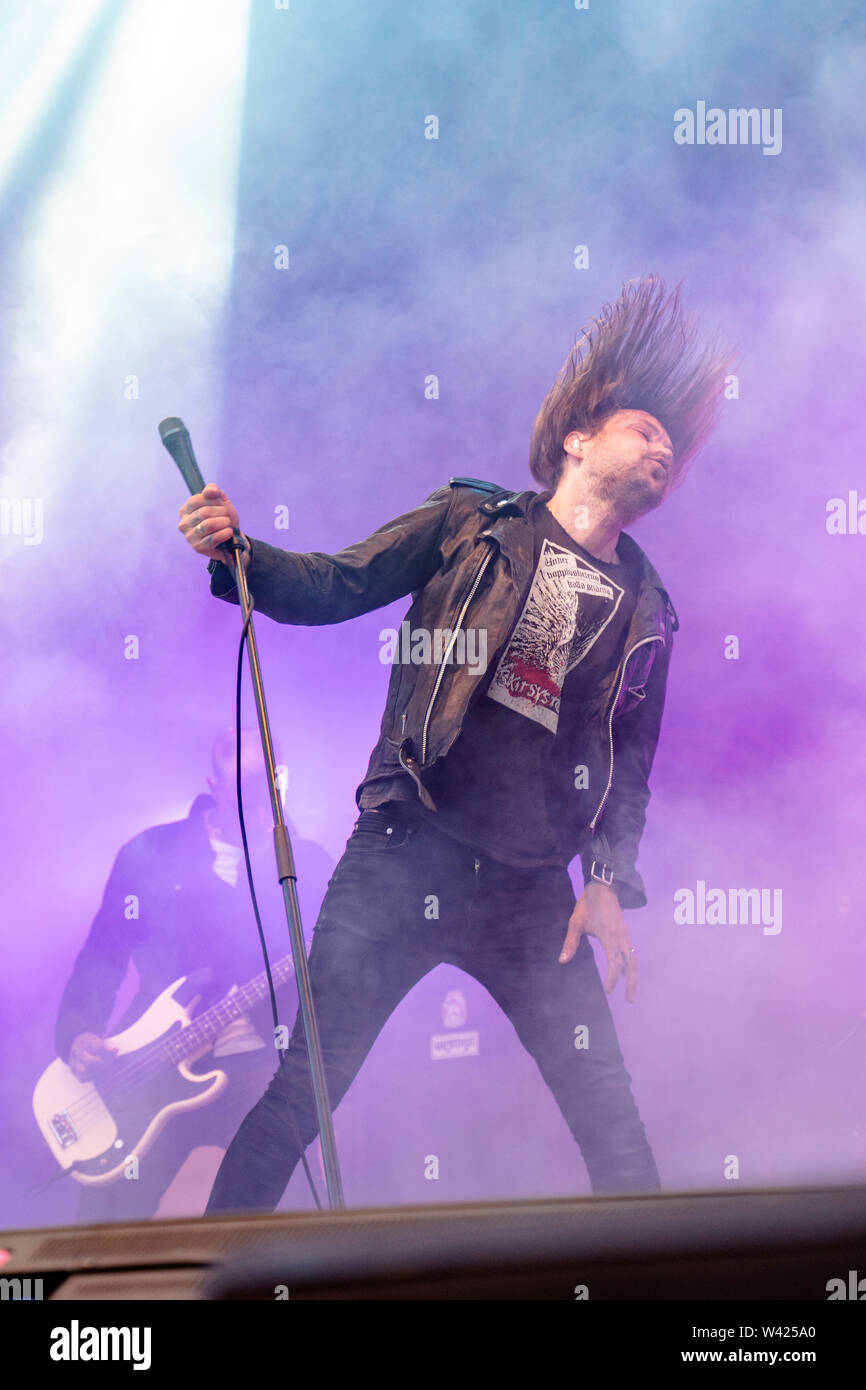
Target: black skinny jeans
{"x": 403, "y": 899}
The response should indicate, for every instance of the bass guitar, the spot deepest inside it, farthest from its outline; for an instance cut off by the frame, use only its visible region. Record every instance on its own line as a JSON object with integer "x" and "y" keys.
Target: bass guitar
{"x": 93, "y": 1127}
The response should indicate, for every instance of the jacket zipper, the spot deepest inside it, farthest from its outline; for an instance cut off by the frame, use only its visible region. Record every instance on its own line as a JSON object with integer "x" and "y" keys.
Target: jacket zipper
{"x": 469, "y": 597}
{"x": 641, "y": 643}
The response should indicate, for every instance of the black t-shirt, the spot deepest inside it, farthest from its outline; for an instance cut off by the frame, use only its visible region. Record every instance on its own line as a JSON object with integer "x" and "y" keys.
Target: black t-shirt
{"x": 504, "y": 786}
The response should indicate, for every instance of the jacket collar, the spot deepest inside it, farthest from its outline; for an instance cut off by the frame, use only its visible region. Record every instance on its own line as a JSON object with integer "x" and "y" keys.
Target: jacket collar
{"x": 506, "y": 503}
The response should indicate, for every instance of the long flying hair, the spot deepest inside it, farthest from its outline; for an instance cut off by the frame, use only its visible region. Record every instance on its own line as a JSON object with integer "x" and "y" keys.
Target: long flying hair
{"x": 642, "y": 353}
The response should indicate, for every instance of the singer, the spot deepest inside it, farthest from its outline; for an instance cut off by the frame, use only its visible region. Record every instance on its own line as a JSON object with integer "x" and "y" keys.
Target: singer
{"x": 486, "y": 783}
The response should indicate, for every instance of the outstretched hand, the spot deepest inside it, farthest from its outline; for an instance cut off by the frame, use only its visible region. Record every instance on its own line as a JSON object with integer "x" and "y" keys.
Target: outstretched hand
{"x": 597, "y": 913}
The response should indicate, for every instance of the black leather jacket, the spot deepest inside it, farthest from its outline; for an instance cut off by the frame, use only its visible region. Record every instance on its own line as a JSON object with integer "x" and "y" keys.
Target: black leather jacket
{"x": 466, "y": 556}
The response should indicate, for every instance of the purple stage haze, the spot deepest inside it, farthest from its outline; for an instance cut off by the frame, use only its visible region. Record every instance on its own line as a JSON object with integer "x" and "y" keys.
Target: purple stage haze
{"x": 433, "y": 276}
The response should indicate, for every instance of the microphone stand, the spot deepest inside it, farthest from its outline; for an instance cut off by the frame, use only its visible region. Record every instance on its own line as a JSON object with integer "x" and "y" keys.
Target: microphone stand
{"x": 289, "y": 885}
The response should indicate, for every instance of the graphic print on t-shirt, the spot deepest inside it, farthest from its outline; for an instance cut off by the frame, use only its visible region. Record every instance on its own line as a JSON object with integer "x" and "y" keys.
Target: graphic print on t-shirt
{"x": 570, "y": 604}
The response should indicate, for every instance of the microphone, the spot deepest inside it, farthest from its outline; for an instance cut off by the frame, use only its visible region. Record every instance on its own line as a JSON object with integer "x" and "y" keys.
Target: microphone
{"x": 175, "y": 436}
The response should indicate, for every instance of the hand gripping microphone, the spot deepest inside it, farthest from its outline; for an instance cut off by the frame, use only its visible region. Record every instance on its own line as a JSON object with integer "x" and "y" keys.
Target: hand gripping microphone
{"x": 175, "y": 437}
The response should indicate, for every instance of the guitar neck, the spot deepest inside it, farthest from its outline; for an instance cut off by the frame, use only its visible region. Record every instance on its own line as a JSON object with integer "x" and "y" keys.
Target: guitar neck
{"x": 236, "y": 1005}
